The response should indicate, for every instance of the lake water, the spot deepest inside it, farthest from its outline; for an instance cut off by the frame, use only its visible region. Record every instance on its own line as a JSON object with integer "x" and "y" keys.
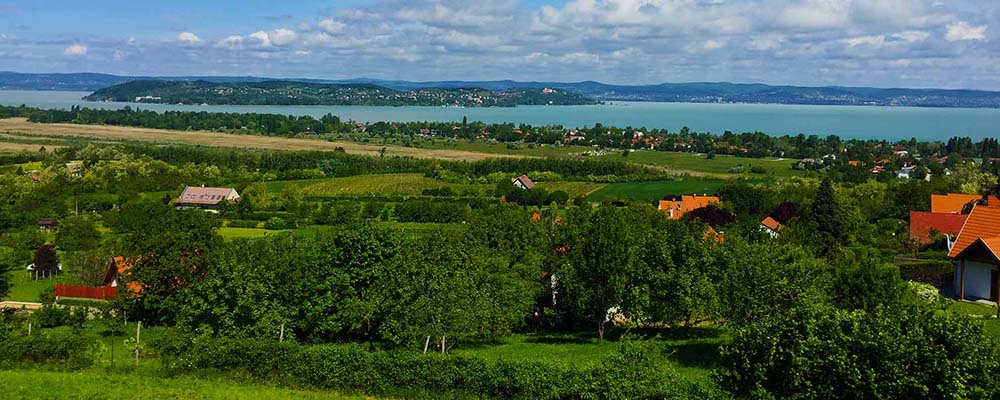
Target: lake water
{"x": 845, "y": 121}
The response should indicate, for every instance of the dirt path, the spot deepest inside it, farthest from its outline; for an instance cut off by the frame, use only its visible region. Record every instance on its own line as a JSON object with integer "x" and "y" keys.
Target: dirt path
{"x": 21, "y": 127}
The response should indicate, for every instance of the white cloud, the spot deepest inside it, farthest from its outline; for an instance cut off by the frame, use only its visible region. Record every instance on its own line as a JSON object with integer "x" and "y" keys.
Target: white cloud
{"x": 331, "y": 26}
{"x": 712, "y": 44}
{"x": 912, "y": 36}
{"x": 278, "y": 37}
{"x": 231, "y": 42}
{"x": 304, "y": 27}
{"x": 874, "y": 40}
{"x": 188, "y": 38}
{"x": 962, "y": 30}
{"x": 75, "y": 50}
{"x": 118, "y": 55}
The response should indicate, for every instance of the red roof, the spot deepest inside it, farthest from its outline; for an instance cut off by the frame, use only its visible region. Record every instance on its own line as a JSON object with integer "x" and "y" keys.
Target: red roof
{"x": 677, "y": 208}
{"x": 772, "y": 224}
{"x": 983, "y": 222}
{"x": 954, "y": 202}
{"x": 528, "y": 184}
{"x": 205, "y": 195}
{"x": 922, "y": 222}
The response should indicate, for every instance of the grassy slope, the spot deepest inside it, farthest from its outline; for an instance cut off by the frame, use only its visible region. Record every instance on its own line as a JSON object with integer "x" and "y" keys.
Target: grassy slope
{"x": 95, "y": 383}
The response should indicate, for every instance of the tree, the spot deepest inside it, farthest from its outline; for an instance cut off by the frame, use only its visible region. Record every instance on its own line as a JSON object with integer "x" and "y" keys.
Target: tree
{"x": 78, "y": 233}
{"x": 824, "y": 212}
{"x": 88, "y": 267}
{"x": 8, "y": 263}
{"x": 602, "y": 260}
{"x": 46, "y": 261}
{"x": 711, "y": 215}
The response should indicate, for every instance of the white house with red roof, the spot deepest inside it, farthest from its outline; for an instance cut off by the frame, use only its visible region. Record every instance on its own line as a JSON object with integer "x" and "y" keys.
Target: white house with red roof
{"x": 976, "y": 254}
{"x": 206, "y": 198}
{"x": 523, "y": 182}
{"x": 771, "y": 226}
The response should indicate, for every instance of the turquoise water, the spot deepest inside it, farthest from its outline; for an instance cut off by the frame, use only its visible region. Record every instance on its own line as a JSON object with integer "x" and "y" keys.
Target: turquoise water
{"x": 775, "y": 119}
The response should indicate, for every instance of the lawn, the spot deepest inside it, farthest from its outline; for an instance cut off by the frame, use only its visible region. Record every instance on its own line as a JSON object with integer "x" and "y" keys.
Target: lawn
{"x": 229, "y": 233}
{"x": 651, "y": 191}
{"x": 27, "y": 289}
{"x": 95, "y": 383}
{"x": 385, "y": 184}
{"x": 695, "y": 351}
{"x": 981, "y": 312}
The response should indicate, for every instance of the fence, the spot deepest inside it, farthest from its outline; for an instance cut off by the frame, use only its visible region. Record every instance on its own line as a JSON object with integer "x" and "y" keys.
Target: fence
{"x": 87, "y": 292}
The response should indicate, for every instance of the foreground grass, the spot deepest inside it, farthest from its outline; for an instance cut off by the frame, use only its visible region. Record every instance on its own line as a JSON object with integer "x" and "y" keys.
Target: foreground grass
{"x": 96, "y": 383}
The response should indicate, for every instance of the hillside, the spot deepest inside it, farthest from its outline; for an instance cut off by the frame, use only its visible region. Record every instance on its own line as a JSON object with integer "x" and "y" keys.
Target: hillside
{"x": 308, "y": 93}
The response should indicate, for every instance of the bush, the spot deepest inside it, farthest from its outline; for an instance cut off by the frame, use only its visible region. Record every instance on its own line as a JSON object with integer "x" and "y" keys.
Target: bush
{"x": 634, "y": 372}
{"x": 276, "y": 223}
{"x": 62, "y": 349}
{"x": 888, "y": 353}
{"x": 51, "y": 316}
{"x": 758, "y": 170}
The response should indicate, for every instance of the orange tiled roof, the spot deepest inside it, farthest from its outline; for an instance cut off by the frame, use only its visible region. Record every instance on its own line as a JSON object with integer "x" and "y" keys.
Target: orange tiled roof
{"x": 983, "y": 222}
{"x": 772, "y": 224}
{"x": 922, "y": 222}
{"x": 685, "y": 204}
{"x": 954, "y": 202}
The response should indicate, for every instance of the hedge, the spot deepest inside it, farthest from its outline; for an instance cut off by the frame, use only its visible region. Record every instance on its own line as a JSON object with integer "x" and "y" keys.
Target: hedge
{"x": 634, "y": 372}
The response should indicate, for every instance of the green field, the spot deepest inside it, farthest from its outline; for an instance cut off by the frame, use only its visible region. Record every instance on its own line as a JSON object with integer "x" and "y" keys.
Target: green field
{"x": 384, "y": 185}
{"x": 98, "y": 384}
{"x": 229, "y": 233}
{"x": 651, "y": 191}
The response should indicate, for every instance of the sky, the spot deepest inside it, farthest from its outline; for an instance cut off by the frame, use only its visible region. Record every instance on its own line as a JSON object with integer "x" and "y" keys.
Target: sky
{"x": 881, "y": 43}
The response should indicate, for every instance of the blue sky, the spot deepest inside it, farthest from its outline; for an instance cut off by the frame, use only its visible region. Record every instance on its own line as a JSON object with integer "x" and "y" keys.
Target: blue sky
{"x": 900, "y": 43}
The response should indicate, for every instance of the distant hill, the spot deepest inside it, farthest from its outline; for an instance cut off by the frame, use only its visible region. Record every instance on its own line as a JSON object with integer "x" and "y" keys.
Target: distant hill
{"x": 307, "y": 93}
{"x": 698, "y": 92}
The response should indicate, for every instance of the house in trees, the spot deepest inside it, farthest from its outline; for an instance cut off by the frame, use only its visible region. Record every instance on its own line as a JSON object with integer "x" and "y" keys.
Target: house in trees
{"x": 117, "y": 268}
{"x": 523, "y": 182}
{"x": 976, "y": 255}
{"x": 675, "y": 209}
{"x": 206, "y": 198}
{"x": 47, "y": 224}
{"x": 771, "y": 226}
{"x": 924, "y": 226}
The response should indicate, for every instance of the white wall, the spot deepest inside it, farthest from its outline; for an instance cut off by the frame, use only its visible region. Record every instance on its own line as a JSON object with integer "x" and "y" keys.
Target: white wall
{"x": 977, "y": 279}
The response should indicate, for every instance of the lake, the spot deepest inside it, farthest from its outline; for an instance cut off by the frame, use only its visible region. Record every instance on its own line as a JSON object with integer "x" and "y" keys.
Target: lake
{"x": 775, "y": 119}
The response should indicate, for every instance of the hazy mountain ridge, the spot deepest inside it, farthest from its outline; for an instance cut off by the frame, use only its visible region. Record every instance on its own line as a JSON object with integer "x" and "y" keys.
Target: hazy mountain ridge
{"x": 698, "y": 92}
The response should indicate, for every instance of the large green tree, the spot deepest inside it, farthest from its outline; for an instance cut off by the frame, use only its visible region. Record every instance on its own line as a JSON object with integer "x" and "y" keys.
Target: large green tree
{"x": 78, "y": 233}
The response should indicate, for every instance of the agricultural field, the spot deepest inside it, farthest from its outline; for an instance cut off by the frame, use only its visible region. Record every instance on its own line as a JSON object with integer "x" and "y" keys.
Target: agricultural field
{"x": 699, "y": 164}
{"x": 57, "y": 133}
{"x": 385, "y": 184}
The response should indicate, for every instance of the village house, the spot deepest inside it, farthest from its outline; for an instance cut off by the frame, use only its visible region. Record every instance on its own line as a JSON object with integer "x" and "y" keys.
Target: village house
{"x": 523, "y": 182}
{"x": 905, "y": 172}
{"x": 676, "y": 209}
{"x": 117, "y": 268}
{"x": 771, "y": 227}
{"x": 47, "y": 224}
{"x": 206, "y": 198}
{"x": 976, "y": 255}
{"x": 74, "y": 169}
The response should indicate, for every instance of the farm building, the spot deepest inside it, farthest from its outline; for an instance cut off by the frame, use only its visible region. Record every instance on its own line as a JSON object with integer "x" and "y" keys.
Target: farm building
{"x": 207, "y": 198}
{"x": 523, "y": 182}
{"x": 771, "y": 226}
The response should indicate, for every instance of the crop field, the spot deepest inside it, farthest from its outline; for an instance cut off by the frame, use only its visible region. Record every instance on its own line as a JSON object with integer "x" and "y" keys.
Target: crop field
{"x": 699, "y": 163}
{"x": 651, "y": 191}
{"x": 94, "y": 384}
{"x": 59, "y": 132}
{"x": 385, "y": 184}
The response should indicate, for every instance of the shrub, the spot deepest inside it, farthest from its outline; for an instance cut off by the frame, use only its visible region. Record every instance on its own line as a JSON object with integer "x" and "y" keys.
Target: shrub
{"x": 51, "y": 316}
{"x": 62, "y": 349}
